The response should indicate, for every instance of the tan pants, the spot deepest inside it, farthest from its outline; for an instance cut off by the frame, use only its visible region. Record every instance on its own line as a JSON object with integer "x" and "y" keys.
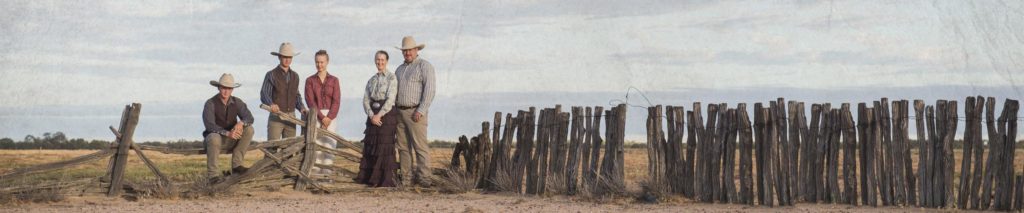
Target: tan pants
{"x": 413, "y": 135}
{"x": 277, "y": 128}
{"x": 216, "y": 142}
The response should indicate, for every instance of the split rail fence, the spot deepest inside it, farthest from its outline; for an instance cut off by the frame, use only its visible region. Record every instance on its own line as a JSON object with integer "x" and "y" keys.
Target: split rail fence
{"x": 287, "y": 161}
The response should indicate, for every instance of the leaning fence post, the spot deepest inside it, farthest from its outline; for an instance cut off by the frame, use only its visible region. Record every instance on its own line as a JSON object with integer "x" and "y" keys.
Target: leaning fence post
{"x": 123, "y": 144}
{"x": 310, "y": 151}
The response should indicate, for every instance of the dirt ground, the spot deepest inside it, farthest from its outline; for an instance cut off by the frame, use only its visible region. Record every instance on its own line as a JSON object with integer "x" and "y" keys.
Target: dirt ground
{"x": 400, "y": 201}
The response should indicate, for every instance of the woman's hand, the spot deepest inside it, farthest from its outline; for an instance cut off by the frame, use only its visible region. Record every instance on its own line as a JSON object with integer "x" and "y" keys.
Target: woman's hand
{"x": 325, "y": 122}
{"x": 375, "y": 120}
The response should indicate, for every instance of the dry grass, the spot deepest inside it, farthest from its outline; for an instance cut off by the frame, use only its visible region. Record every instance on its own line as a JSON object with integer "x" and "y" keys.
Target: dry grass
{"x": 187, "y": 172}
{"x": 504, "y": 182}
{"x": 454, "y": 180}
{"x": 45, "y": 195}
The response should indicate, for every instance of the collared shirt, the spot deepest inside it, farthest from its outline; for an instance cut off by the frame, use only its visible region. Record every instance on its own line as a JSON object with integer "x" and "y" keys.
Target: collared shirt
{"x": 267, "y": 91}
{"x": 380, "y": 87}
{"x": 415, "y": 85}
{"x": 210, "y": 114}
{"x": 325, "y": 95}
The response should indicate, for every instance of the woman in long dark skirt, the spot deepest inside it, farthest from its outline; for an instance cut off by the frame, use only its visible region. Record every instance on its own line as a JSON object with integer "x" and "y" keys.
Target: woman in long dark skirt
{"x": 378, "y": 166}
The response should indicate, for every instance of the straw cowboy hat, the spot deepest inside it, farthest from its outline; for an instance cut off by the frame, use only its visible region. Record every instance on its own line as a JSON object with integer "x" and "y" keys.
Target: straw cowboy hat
{"x": 409, "y": 43}
{"x": 226, "y": 80}
{"x": 286, "y": 50}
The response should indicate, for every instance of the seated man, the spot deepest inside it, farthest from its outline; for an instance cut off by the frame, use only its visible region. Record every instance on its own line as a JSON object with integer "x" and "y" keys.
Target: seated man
{"x": 221, "y": 116}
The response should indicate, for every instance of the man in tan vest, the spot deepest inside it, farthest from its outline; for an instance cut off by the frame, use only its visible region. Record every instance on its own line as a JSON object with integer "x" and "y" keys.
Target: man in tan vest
{"x": 281, "y": 92}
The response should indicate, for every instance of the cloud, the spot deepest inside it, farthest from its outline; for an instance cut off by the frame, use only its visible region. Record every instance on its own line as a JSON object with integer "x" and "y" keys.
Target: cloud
{"x": 862, "y": 57}
{"x": 385, "y": 13}
{"x": 160, "y": 9}
{"x": 534, "y": 45}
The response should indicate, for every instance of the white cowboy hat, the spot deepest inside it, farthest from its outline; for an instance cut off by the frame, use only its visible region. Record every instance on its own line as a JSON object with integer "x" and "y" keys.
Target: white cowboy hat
{"x": 226, "y": 80}
{"x": 286, "y": 50}
{"x": 409, "y": 43}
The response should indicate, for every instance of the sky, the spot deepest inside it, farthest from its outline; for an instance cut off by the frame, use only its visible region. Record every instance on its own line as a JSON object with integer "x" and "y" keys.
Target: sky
{"x": 71, "y": 66}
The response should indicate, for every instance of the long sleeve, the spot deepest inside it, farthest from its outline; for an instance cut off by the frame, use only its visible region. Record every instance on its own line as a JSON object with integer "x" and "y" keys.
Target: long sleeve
{"x": 366, "y": 98}
{"x": 392, "y": 95}
{"x": 309, "y": 93}
{"x": 210, "y": 120}
{"x": 335, "y": 99}
{"x": 429, "y": 87}
{"x": 298, "y": 95}
{"x": 243, "y": 112}
{"x": 267, "y": 89}
{"x": 298, "y": 100}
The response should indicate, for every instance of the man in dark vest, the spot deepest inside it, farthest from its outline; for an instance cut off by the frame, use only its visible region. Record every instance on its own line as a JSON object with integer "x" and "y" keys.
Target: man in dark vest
{"x": 224, "y": 130}
{"x": 281, "y": 92}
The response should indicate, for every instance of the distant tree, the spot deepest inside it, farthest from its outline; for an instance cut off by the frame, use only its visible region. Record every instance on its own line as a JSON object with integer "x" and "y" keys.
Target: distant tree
{"x": 98, "y": 144}
{"x": 55, "y": 140}
{"x": 6, "y": 143}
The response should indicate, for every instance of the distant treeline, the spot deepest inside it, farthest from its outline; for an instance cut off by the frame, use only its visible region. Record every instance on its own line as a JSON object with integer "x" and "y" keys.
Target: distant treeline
{"x": 58, "y": 140}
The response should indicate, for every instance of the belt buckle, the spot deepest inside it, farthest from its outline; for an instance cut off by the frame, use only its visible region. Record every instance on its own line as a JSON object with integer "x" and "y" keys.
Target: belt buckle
{"x": 375, "y": 105}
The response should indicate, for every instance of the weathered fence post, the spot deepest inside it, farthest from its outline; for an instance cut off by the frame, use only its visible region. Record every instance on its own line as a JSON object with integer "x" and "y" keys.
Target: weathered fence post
{"x": 993, "y": 152}
{"x": 710, "y": 186}
{"x": 867, "y": 123}
{"x": 729, "y": 165}
{"x": 130, "y": 120}
{"x": 595, "y": 152}
{"x": 696, "y": 130}
{"x": 309, "y": 153}
{"x": 908, "y": 161}
{"x": 979, "y": 151}
{"x": 796, "y": 186}
{"x": 654, "y": 158}
{"x": 483, "y": 154}
{"x": 923, "y": 183}
{"x": 1007, "y": 131}
{"x": 968, "y": 147}
{"x": 746, "y": 163}
{"x": 538, "y": 164}
{"x": 586, "y": 147}
{"x": 573, "y": 160}
{"x": 849, "y": 156}
{"x": 524, "y": 146}
{"x": 675, "y": 163}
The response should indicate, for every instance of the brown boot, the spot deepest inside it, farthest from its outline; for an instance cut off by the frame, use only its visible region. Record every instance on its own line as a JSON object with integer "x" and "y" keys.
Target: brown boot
{"x": 239, "y": 170}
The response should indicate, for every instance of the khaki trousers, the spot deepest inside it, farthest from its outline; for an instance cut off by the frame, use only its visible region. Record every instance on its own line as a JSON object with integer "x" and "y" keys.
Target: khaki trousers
{"x": 216, "y": 142}
{"x": 412, "y": 144}
{"x": 277, "y": 128}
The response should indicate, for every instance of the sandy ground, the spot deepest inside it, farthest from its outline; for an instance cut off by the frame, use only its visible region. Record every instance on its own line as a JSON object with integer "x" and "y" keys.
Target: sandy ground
{"x": 401, "y": 201}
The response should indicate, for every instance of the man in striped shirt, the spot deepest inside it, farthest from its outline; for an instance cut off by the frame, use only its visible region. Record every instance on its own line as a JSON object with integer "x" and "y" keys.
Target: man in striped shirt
{"x": 281, "y": 92}
{"x": 415, "y": 93}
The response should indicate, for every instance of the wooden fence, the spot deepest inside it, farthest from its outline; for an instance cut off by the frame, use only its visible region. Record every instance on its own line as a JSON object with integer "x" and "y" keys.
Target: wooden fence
{"x": 782, "y": 158}
{"x": 555, "y": 152}
{"x": 285, "y": 159}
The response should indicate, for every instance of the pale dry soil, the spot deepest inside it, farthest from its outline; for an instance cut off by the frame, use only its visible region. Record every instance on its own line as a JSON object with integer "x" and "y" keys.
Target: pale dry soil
{"x": 401, "y": 201}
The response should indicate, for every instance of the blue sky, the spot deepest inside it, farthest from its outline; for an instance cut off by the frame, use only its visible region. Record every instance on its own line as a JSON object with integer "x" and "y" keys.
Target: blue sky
{"x": 71, "y": 65}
